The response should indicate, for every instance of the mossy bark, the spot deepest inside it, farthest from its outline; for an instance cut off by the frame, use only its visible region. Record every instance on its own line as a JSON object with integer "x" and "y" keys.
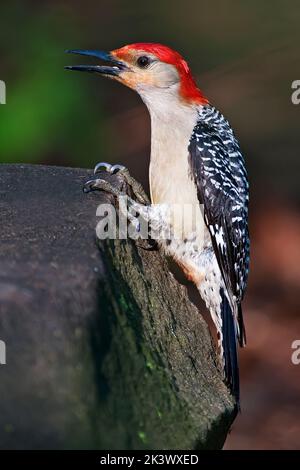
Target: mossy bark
{"x": 104, "y": 348}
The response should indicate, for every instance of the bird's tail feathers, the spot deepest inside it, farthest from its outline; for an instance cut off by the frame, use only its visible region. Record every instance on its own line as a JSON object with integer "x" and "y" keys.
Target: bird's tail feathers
{"x": 228, "y": 346}
{"x": 242, "y": 332}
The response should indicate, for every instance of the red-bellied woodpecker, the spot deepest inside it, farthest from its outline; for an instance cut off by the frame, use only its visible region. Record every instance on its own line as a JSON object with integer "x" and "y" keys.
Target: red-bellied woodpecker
{"x": 196, "y": 161}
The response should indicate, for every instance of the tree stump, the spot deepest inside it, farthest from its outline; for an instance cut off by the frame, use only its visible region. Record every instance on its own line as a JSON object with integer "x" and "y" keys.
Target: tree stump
{"x": 104, "y": 349}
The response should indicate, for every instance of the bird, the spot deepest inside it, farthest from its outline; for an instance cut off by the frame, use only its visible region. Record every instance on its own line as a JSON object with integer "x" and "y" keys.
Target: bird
{"x": 195, "y": 161}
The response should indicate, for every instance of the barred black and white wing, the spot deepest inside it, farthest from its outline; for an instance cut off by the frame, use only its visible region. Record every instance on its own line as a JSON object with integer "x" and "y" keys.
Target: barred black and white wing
{"x": 217, "y": 167}
{"x": 219, "y": 172}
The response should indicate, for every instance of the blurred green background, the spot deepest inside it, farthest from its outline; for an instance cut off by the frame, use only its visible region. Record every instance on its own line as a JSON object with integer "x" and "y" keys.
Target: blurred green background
{"x": 245, "y": 55}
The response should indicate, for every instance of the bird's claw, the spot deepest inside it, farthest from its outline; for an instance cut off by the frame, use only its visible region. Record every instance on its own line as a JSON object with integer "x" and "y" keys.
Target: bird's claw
{"x": 100, "y": 184}
{"x": 112, "y": 169}
{"x": 136, "y": 187}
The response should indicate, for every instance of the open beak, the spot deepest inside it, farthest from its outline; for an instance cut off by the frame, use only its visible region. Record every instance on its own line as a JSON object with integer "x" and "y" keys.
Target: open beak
{"x": 113, "y": 68}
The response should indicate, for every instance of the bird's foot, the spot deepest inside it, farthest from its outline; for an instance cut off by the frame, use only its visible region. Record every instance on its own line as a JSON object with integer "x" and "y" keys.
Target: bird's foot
{"x": 135, "y": 187}
{"x": 140, "y": 204}
{"x": 100, "y": 184}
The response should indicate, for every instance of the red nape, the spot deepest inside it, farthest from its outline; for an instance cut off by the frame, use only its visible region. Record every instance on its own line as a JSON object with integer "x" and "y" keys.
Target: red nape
{"x": 188, "y": 89}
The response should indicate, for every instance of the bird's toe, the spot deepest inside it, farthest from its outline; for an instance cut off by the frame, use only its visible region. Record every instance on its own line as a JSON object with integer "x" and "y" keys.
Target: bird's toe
{"x": 115, "y": 168}
{"x": 103, "y": 166}
{"x": 100, "y": 184}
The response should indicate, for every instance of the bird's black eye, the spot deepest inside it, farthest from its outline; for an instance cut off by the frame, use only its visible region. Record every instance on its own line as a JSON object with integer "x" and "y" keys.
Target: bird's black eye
{"x": 143, "y": 61}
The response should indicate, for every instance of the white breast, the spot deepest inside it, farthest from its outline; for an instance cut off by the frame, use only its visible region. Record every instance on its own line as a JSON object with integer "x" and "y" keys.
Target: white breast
{"x": 170, "y": 179}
